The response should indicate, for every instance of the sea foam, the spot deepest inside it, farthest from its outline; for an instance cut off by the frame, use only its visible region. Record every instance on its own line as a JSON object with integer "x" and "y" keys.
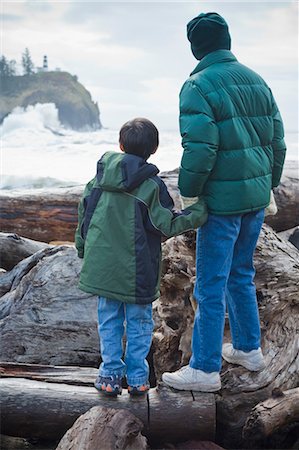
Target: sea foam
{"x": 37, "y": 151}
{"x": 40, "y": 117}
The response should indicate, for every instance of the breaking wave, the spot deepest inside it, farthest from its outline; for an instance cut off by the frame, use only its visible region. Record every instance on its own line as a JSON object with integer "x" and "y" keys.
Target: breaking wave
{"x": 37, "y": 152}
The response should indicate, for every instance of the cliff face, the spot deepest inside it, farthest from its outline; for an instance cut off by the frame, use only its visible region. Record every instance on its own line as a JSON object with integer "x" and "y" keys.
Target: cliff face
{"x": 76, "y": 109}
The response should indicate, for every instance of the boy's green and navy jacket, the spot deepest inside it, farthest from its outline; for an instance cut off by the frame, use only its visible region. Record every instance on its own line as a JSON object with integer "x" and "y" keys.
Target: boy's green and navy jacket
{"x": 125, "y": 211}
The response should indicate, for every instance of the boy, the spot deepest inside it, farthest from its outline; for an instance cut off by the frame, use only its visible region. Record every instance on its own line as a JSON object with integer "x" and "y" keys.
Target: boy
{"x": 125, "y": 212}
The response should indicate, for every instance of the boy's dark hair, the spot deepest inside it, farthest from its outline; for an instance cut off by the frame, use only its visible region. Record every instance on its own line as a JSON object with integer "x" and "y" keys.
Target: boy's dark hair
{"x": 139, "y": 137}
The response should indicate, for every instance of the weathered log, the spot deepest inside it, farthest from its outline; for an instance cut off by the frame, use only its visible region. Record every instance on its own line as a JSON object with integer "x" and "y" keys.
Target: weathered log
{"x": 41, "y": 214}
{"x": 14, "y": 248}
{"x": 44, "y": 317}
{"x": 271, "y": 416}
{"x": 48, "y": 216}
{"x": 105, "y": 428}
{"x": 79, "y": 376}
{"x": 47, "y": 410}
{"x": 277, "y": 279}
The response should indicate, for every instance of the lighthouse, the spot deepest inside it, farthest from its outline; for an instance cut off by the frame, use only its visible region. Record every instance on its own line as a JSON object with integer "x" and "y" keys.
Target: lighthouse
{"x": 45, "y": 64}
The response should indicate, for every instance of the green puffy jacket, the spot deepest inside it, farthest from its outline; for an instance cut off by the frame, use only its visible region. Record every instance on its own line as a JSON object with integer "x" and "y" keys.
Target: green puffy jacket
{"x": 232, "y": 135}
{"x": 125, "y": 211}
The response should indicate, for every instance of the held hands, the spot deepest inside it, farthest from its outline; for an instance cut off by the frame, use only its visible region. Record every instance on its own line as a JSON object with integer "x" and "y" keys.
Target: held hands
{"x": 271, "y": 209}
{"x": 188, "y": 201}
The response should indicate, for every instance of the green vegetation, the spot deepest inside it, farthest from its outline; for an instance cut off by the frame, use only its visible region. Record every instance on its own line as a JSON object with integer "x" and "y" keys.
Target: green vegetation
{"x": 7, "y": 68}
{"x": 27, "y": 63}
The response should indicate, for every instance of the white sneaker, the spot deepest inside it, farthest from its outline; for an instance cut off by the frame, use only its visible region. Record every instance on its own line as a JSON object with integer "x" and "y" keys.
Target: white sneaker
{"x": 186, "y": 379}
{"x": 252, "y": 360}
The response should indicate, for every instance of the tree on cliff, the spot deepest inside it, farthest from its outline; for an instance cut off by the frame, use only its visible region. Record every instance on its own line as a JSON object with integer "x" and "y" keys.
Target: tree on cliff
{"x": 7, "y": 68}
{"x": 28, "y": 66}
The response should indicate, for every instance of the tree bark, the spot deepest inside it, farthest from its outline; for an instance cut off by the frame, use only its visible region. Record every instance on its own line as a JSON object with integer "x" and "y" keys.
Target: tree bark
{"x": 47, "y": 410}
{"x": 15, "y": 248}
{"x": 271, "y": 416}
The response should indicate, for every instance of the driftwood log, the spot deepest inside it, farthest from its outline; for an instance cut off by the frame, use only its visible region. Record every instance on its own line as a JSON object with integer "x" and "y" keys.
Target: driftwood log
{"x": 271, "y": 416}
{"x": 48, "y": 216}
{"x": 277, "y": 280}
{"x": 47, "y": 320}
{"x": 105, "y": 428}
{"x": 45, "y": 401}
{"x": 44, "y": 317}
{"x": 15, "y": 248}
{"x": 41, "y": 214}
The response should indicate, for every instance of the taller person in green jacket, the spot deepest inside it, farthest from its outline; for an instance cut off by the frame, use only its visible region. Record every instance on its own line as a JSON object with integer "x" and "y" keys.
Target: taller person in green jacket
{"x": 232, "y": 135}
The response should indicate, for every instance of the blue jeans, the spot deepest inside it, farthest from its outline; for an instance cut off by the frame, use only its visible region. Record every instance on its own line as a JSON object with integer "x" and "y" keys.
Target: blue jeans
{"x": 115, "y": 318}
{"x": 225, "y": 276}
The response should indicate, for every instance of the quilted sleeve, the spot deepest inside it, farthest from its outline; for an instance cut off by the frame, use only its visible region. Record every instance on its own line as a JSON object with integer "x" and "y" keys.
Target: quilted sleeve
{"x": 200, "y": 140}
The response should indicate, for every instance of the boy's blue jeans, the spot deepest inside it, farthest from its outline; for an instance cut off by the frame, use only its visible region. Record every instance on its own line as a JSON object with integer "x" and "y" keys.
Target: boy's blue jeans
{"x": 225, "y": 276}
{"x": 115, "y": 318}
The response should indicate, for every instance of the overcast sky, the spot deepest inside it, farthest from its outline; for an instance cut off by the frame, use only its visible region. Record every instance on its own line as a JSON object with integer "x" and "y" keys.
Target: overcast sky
{"x": 134, "y": 56}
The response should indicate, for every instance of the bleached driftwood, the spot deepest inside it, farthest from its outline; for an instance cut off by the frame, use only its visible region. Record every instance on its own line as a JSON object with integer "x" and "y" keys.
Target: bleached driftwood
{"x": 44, "y": 403}
{"x": 105, "y": 428}
{"x": 277, "y": 280}
{"x": 272, "y": 416}
{"x": 14, "y": 248}
{"x": 44, "y": 317}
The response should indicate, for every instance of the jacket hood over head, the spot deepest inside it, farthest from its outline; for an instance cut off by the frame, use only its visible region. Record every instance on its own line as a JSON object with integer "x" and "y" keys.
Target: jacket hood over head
{"x": 123, "y": 172}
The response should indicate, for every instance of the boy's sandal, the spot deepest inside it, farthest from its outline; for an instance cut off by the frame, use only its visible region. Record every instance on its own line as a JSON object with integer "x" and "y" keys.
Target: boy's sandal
{"x": 111, "y": 385}
{"x": 138, "y": 390}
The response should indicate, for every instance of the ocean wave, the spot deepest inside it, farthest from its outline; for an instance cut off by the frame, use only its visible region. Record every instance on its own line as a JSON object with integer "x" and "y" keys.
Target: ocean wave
{"x": 40, "y": 117}
{"x": 15, "y": 182}
{"x": 37, "y": 152}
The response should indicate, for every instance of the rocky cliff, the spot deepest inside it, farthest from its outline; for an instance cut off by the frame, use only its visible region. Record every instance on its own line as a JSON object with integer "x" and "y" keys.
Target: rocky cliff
{"x": 76, "y": 109}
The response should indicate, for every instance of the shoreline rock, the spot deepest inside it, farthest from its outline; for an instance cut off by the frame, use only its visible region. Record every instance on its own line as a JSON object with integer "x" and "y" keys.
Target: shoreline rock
{"x": 76, "y": 109}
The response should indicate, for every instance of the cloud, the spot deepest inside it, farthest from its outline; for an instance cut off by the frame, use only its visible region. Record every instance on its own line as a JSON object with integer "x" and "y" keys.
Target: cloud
{"x": 134, "y": 56}
{"x": 273, "y": 44}
{"x": 10, "y": 17}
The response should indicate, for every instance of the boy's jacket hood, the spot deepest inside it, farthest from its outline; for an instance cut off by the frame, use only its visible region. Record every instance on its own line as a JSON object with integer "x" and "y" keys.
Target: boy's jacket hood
{"x": 123, "y": 172}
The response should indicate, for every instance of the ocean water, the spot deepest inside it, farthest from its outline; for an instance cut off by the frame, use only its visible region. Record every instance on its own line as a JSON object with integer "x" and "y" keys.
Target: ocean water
{"x": 36, "y": 151}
